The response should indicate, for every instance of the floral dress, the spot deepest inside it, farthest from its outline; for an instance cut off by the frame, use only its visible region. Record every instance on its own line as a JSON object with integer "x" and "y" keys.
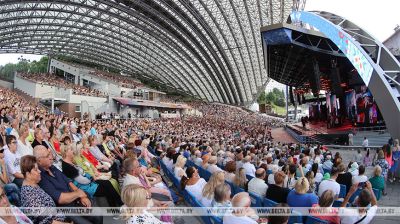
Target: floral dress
{"x": 37, "y": 197}
{"x": 144, "y": 218}
{"x": 384, "y": 165}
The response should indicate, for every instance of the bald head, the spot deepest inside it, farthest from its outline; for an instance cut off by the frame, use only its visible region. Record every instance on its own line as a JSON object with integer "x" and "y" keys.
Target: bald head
{"x": 39, "y": 151}
{"x": 241, "y": 199}
{"x": 260, "y": 173}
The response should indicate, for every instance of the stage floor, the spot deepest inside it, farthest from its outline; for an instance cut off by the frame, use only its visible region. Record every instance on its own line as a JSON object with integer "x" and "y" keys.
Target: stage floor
{"x": 320, "y": 128}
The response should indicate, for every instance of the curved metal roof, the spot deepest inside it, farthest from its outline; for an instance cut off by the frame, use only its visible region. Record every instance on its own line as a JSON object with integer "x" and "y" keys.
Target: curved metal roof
{"x": 208, "y": 48}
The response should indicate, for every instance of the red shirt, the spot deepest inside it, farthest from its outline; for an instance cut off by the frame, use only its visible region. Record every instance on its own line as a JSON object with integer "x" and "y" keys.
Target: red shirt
{"x": 90, "y": 158}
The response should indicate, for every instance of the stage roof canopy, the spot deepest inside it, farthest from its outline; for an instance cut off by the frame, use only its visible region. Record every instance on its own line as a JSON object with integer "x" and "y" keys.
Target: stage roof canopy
{"x": 207, "y": 48}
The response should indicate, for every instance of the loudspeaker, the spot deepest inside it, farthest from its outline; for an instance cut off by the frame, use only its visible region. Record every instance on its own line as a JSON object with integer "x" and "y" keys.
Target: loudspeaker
{"x": 291, "y": 95}
{"x": 314, "y": 78}
{"x": 334, "y": 76}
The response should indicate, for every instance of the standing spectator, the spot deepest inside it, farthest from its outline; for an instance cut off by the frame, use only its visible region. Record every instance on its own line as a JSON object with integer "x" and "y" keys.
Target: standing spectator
{"x": 358, "y": 157}
{"x": 365, "y": 143}
{"x": 367, "y": 160}
{"x": 257, "y": 185}
{"x": 395, "y": 157}
{"x": 351, "y": 139}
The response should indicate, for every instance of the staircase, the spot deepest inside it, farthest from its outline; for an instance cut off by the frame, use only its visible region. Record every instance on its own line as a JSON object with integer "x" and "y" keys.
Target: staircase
{"x": 27, "y": 97}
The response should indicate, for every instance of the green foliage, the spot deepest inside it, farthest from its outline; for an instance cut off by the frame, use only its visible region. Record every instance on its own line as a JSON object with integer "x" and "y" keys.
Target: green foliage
{"x": 276, "y": 97}
{"x": 7, "y": 71}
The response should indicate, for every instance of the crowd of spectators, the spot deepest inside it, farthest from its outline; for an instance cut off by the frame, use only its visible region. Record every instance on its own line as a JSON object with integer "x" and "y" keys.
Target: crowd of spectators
{"x": 50, "y": 160}
{"x": 54, "y": 80}
{"x": 124, "y": 81}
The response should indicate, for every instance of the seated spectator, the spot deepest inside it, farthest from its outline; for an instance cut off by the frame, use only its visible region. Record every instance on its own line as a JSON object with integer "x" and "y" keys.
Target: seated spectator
{"x": 34, "y": 196}
{"x": 222, "y": 197}
{"x": 330, "y": 184}
{"x": 276, "y": 192}
{"x": 205, "y": 158}
{"x": 230, "y": 169}
{"x": 290, "y": 179}
{"x": 179, "y": 167}
{"x": 136, "y": 196}
{"x": 167, "y": 159}
{"x": 257, "y": 185}
{"x": 248, "y": 167}
{"x": 39, "y": 138}
{"x": 212, "y": 165}
{"x": 317, "y": 174}
{"x": 135, "y": 175}
{"x": 243, "y": 213}
{"x": 328, "y": 164}
{"x": 354, "y": 169}
{"x": 378, "y": 181}
{"x": 192, "y": 183}
{"x": 208, "y": 190}
{"x": 16, "y": 217}
{"x": 325, "y": 205}
{"x": 12, "y": 160}
{"x": 270, "y": 179}
{"x": 11, "y": 189}
{"x": 240, "y": 179}
{"x": 93, "y": 186}
{"x": 59, "y": 187}
{"x": 23, "y": 146}
{"x": 198, "y": 161}
{"x": 358, "y": 158}
{"x": 344, "y": 177}
{"x": 366, "y": 203}
{"x": 279, "y": 219}
{"x": 360, "y": 178}
{"x": 299, "y": 196}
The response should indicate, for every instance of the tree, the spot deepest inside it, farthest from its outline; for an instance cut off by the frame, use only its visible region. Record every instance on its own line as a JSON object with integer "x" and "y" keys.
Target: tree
{"x": 262, "y": 98}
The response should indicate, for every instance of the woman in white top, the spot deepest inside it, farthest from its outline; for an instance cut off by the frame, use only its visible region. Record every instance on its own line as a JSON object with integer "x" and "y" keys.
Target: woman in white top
{"x": 179, "y": 167}
{"x": 208, "y": 191}
{"x": 193, "y": 183}
{"x": 23, "y": 146}
{"x": 360, "y": 178}
{"x": 135, "y": 196}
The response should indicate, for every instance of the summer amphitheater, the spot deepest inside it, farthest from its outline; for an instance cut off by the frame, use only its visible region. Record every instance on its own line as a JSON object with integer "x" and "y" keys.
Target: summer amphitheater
{"x": 143, "y": 111}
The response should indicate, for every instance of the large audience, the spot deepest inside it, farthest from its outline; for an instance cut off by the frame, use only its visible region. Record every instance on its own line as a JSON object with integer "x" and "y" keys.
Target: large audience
{"x": 50, "y": 160}
{"x": 124, "y": 81}
{"x": 53, "y": 80}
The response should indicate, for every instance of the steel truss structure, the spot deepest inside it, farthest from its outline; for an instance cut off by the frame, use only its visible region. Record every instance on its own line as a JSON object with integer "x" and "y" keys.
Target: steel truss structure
{"x": 207, "y": 48}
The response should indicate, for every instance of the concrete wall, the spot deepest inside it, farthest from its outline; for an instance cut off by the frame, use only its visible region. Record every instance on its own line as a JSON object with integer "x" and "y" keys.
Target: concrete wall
{"x": 6, "y": 84}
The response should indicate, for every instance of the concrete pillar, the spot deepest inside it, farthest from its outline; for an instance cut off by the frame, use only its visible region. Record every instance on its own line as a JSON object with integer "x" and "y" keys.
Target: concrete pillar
{"x": 52, "y": 105}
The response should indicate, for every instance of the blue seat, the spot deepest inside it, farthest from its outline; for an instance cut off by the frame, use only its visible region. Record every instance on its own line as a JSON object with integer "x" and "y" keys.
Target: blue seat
{"x": 296, "y": 217}
{"x": 249, "y": 177}
{"x": 326, "y": 171}
{"x": 197, "y": 204}
{"x": 206, "y": 174}
{"x": 232, "y": 188}
{"x": 343, "y": 190}
{"x": 237, "y": 189}
{"x": 353, "y": 197}
{"x": 337, "y": 204}
{"x": 256, "y": 200}
{"x": 315, "y": 220}
{"x": 176, "y": 181}
{"x": 269, "y": 203}
{"x": 215, "y": 220}
{"x": 190, "y": 163}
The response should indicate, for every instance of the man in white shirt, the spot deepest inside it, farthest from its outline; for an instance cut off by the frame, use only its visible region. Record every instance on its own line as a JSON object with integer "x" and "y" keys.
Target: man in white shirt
{"x": 330, "y": 184}
{"x": 212, "y": 165}
{"x": 365, "y": 143}
{"x": 248, "y": 167}
{"x": 241, "y": 200}
{"x": 366, "y": 203}
{"x": 257, "y": 185}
